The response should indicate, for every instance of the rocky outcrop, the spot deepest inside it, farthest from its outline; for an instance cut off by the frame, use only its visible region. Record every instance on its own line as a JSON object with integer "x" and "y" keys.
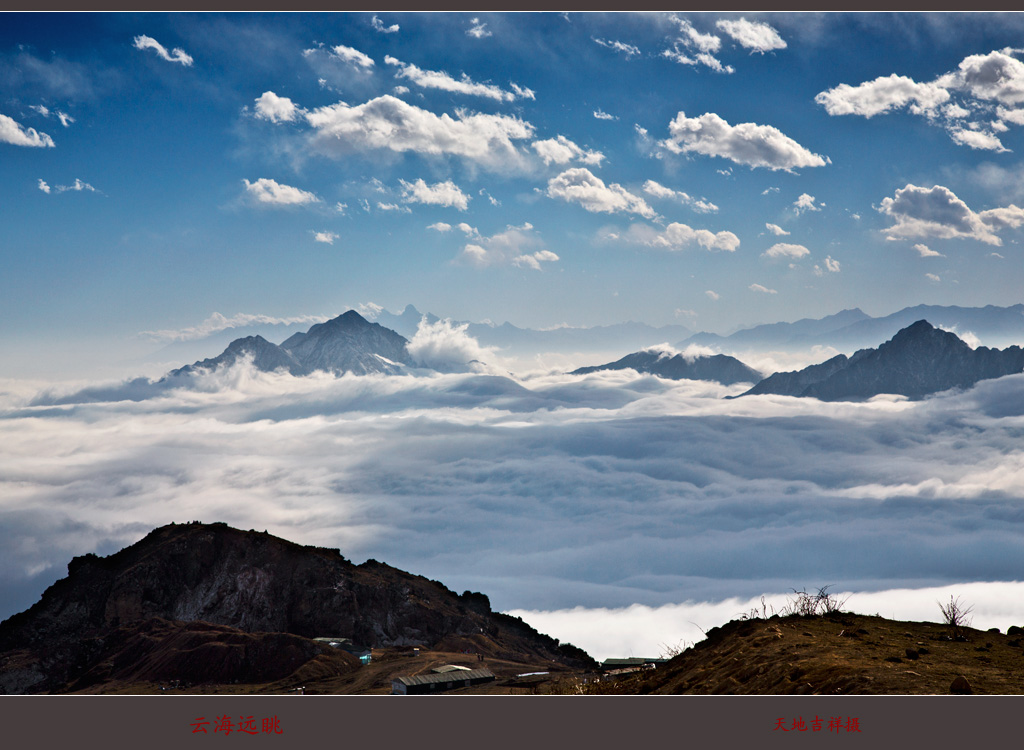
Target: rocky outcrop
{"x": 918, "y": 361}
{"x": 250, "y": 582}
{"x": 718, "y": 367}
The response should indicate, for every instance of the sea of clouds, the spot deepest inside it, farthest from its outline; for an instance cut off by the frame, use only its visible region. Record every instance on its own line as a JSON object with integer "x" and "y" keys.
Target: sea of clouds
{"x": 614, "y": 510}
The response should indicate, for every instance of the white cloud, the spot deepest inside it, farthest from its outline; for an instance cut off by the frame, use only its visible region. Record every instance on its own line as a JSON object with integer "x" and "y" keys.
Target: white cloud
{"x": 517, "y": 245}
{"x": 601, "y": 115}
{"x": 754, "y": 35}
{"x": 445, "y": 194}
{"x": 628, "y": 50}
{"x": 218, "y": 322}
{"x": 65, "y": 119}
{"x": 986, "y": 84}
{"x": 270, "y": 192}
{"x": 657, "y": 190}
{"x": 16, "y": 134}
{"x": 932, "y": 277}
{"x": 177, "y": 55}
{"x": 580, "y": 185}
{"x": 831, "y": 266}
{"x": 805, "y": 203}
{"x": 394, "y": 207}
{"x": 560, "y": 150}
{"x": 340, "y": 207}
{"x": 694, "y": 48}
{"x": 391, "y": 124}
{"x": 41, "y": 109}
{"x": 467, "y": 230}
{"x": 746, "y": 143}
{"x": 478, "y": 30}
{"x": 977, "y": 139}
{"x": 883, "y": 95}
{"x": 77, "y": 186}
{"x": 440, "y": 226}
{"x": 938, "y": 212}
{"x": 713, "y": 295}
{"x": 676, "y": 237}
{"x": 325, "y": 237}
{"x": 926, "y": 252}
{"x": 438, "y": 79}
{"x": 776, "y": 230}
{"x": 786, "y": 250}
{"x": 761, "y": 289}
{"x": 348, "y": 55}
{"x": 766, "y": 191}
{"x": 270, "y": 106}
{"x": 447, "y": 347}
{"x": 379, "y": 26}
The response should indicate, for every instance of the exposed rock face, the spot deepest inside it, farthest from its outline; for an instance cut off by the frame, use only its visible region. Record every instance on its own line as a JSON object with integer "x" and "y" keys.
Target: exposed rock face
{"x": 252, "y": 582}
{"x": 348, "y": 343}
{"x": 265, "y": 356}
{"x": 917, "y": 361}
{"x": 719, "y": 367}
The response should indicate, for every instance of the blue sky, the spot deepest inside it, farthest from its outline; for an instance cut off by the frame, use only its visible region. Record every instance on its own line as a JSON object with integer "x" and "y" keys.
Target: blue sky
{"x": 160, "y": 168}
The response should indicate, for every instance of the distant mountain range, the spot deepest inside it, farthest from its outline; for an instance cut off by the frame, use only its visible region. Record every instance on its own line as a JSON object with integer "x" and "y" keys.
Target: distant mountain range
{"x": 855, "y": 329}
{"x": 919, "y": 360}
{"x": 718, "y": 367}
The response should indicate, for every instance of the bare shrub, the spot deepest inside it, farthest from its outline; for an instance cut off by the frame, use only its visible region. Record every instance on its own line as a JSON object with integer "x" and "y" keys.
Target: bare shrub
{"x": 820, "y": 603}
{"x": 957, "y": 616}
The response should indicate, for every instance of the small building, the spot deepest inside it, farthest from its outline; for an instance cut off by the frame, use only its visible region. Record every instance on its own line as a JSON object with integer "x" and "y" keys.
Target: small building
{"x": 345, "y": 644}
{"x": 425, "y": 684}
{"x": 633, "y": 662}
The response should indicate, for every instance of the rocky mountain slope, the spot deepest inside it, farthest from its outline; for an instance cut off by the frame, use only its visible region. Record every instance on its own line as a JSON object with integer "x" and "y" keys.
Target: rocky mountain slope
{"x": 347, "y": 343}
{"x": 718, "y": 367}
{"x": 919, "y": 360}
{"x": 268, "y": 596}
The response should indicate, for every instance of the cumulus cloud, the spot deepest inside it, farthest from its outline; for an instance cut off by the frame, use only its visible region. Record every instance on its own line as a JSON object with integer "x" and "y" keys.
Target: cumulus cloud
{"x": 270, "y": 106}
{"x": 984, "y": 85}
{"x": 43, "y": 186}
{"x": 560, "y": 150}
{"x": 272, "y": 193}
{"x": 694, "y": 48}
{"x": 446, "y": 194}
{"x": 440, "y": 226}
{"x": 753, "y": 35}
{"x": 437, "y": 79}
{"x": 379, "y": 26}
{"x": 177, "y": 55}
{"x": 658, "y": 190}
{"x": 776, "y": 230}
{"x": 713, "y": 295}
{"x": 517, "y": 245}
{"x": 831, "y": 266}
{"x": 677, "y": 236}
{"x": 761, "y": 289}
{"x": 447, "y": 347}
{"x": 349, "y": 55}
{"x": 602, "y": 115}
{"x": 17, "y": 134}
{"x": 477, "y": 29}
{"x": 746, "y": 143}
{"x": 628, "y": 50}
{"x": 388, "y": 123}
{"x": 805, "y": 203}
{"x": 580, "y": 185}
{"x": 786, "y": 250}
{"x": 926, "y": 252}
{"x": 325, "y": 237}
{"x": 921, "y": 212}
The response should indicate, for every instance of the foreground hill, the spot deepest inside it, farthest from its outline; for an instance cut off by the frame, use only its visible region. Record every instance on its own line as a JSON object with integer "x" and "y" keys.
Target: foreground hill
{"x": 919, "y": 360}
{"x": 216, "y": 603}
{"x": 718, "y": 367}
{"x": 836, "y": 654}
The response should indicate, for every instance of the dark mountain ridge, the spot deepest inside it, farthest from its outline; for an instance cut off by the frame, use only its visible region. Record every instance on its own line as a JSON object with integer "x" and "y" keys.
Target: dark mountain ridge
{"x": 718, "y": 367}
{"x": 251, "y": 583}
{"x": 918, "y": 361}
